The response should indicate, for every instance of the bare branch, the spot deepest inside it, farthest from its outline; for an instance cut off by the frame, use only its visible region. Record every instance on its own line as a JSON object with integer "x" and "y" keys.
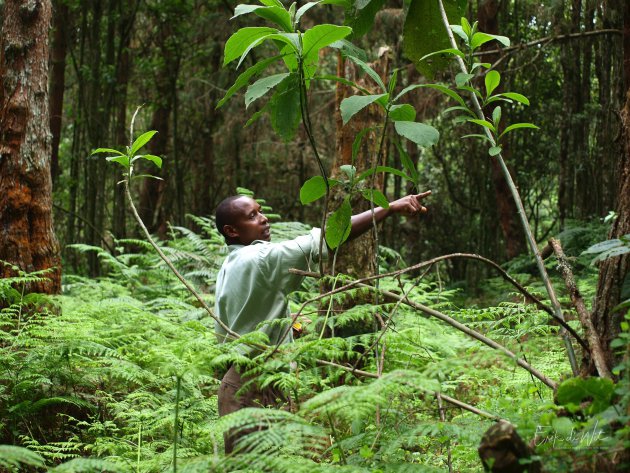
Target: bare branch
{"x": 596, "y": 351}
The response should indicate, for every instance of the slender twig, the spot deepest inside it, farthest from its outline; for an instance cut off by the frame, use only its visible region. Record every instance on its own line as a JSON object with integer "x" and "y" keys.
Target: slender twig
{"x": 596, "y": 351}
{"x": 548, "y": 39}
{"x": 159, "y": 251}
{"x": 517, "y": 199}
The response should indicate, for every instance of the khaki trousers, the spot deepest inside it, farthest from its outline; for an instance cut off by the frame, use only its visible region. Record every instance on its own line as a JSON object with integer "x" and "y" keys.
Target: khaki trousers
{"x": 230, "y": 402}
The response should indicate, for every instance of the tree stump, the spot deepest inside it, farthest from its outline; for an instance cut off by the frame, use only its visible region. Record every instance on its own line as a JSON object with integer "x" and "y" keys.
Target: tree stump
{"x": 501, "y": 450}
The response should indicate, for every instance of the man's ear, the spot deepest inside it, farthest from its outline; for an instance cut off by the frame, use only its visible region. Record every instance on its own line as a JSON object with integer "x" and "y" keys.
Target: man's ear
{"x": 230, "y": 231}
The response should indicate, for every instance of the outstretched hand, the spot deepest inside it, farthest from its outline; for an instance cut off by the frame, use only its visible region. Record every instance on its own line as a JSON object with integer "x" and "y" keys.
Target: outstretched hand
{"x": 410, "y": 205}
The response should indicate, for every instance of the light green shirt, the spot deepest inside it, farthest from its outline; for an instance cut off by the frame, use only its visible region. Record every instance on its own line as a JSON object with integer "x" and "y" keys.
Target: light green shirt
{"x": 254, "y": 281}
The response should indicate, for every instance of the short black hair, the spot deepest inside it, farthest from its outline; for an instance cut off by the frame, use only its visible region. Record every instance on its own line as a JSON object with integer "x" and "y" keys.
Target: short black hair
{"x": 224, "y": 214}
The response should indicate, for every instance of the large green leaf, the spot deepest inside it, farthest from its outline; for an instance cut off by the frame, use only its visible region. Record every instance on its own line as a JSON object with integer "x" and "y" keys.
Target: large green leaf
{"x": 350, "y": 106}
{"x": 303, "y": 9}
{"x": 290, "y": 39}
{"x": 361, "y": 16}
{"x": 376, "y": 196}
{"x": 284, "y": 108}
{"x": 481, "y": 38}
{"x": 404, "y": 112}
{"x": 243, "y": 79}
{"x": 275, "y": 14}
{"x": 421, "y": 134}
{"x": 338, "y": 225}
{"x": 240, "y": 41}
{"x": 262, "y": 86}
{"x": 493, "y": 79}
{"x": 597, "y": 391}
{"x": 141, "y": 141}
{"x": 313, "y": 189}
{"x": 424, "y": 33}
{"x": 319, "y": 37}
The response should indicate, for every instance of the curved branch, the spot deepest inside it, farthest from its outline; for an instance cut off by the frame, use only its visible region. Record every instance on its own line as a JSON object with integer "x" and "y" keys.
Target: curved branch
{"x": 528, "y": 295}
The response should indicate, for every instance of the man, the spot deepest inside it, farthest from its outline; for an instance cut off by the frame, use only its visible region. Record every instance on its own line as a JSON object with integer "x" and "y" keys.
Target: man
{"x": 254, "y": 281}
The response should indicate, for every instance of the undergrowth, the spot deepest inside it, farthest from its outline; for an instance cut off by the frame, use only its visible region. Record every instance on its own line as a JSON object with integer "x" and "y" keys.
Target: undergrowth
{"x": 121, "y": 374}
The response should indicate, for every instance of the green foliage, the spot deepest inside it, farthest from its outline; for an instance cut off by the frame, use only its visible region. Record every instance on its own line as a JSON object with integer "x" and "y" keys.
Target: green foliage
{"x": 424, "y": 33}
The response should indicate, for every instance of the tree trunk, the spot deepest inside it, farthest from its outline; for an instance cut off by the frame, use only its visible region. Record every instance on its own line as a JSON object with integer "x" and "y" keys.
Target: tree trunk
{"x": 153, "y": 206}
{"x": 358, "y": 257}
{"x": 57, "y": 79}
{"x": 27, "y": 239}
{"x": 613, "y": 272}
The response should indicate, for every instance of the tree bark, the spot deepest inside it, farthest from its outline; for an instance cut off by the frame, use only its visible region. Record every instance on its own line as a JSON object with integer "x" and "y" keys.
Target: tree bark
{"x": 57, "y": 80}
{"x": 27, "y": 238}
{"x": 358, "y": 257}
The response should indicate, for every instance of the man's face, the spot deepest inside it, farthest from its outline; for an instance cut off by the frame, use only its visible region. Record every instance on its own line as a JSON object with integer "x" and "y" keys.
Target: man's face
{"x": 249, "y": 223}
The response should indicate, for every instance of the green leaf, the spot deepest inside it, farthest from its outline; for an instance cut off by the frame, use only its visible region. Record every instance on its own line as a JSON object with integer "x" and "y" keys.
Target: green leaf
{"x": 463, "y": 79}
{"x": 407, "y": 163}
{"x": 496, "y": 117}
{"x": 122, "y": 160}
{"x": 484, "y": 123}
{"x": 285, "y": 108}
{"x": 493, "y": 78}
{"x": 376, "y": 196}
{"x": 445, "y": 90}
{"x": 241, "y": 41}
{"x": 350, "y": 106}
{"x": 360, "y": 16}
{"x": 459, "y": 109}
{"x": 272, "y": 3}
{"x": 262, "y": 86}
{"x": 107, "y": 150}
{"x": 388, "y": 169}
{"x": 154, "y": 159}
{"x": 475, "y": 65}
{"x": 476, "y": 135}
{"x": 369, "y": 71}
{"x": 275, "y": 14}
{"x": 466, "y": 28}
{"x": 516, "y": 126}
{"x": 338, "y": 225}
{"x": 597, "y": 391}
{"x": 142, "y": 140}
{"x": 243, "y": 79}
{"x": 481, "y": 38}
{"x": 424, "y": 33}
{"x": 303, "y": 9}
{"x": 349, "y": 170}
{"x": 349, "y": 49}
{"x": 451, "y": 51}
{"x": 319, "y": 37}
{"x": 290, "y": 39}
{"x": 494, "y": 150}
{"x": 404, "y": 112}
{"x": 517, "y": 97}
{"x": 421, "y": 134}
{"x": 459, "y": 31}
{"x": 313, "y": 189}
{"x": 257, "y": 114}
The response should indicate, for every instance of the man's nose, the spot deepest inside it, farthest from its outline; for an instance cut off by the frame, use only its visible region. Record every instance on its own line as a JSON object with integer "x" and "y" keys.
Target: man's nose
{"x": 263, "y": 218}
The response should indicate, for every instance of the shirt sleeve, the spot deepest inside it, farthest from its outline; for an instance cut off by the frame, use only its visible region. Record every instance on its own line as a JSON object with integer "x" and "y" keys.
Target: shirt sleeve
{"x": 300, "y": 253}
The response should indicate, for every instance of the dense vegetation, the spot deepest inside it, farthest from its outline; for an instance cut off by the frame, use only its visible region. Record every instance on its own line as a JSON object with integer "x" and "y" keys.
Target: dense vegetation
{"x": 412, "y": 356}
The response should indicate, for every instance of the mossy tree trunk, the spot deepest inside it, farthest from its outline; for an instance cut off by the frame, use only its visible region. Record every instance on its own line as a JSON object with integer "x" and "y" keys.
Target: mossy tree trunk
{"x": 27, "y": 238}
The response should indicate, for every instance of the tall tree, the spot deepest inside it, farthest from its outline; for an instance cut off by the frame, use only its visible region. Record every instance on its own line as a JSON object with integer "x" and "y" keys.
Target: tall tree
{"x": 27, "y": 238}
{"x": 614, "y": 272}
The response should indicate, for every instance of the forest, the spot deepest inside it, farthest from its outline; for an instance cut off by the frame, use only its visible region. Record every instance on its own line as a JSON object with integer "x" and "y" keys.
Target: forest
{"x": 481, "y": 326}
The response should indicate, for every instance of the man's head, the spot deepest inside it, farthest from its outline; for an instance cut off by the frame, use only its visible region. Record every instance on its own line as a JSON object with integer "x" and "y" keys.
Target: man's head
{"x": 241, "y": 221}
